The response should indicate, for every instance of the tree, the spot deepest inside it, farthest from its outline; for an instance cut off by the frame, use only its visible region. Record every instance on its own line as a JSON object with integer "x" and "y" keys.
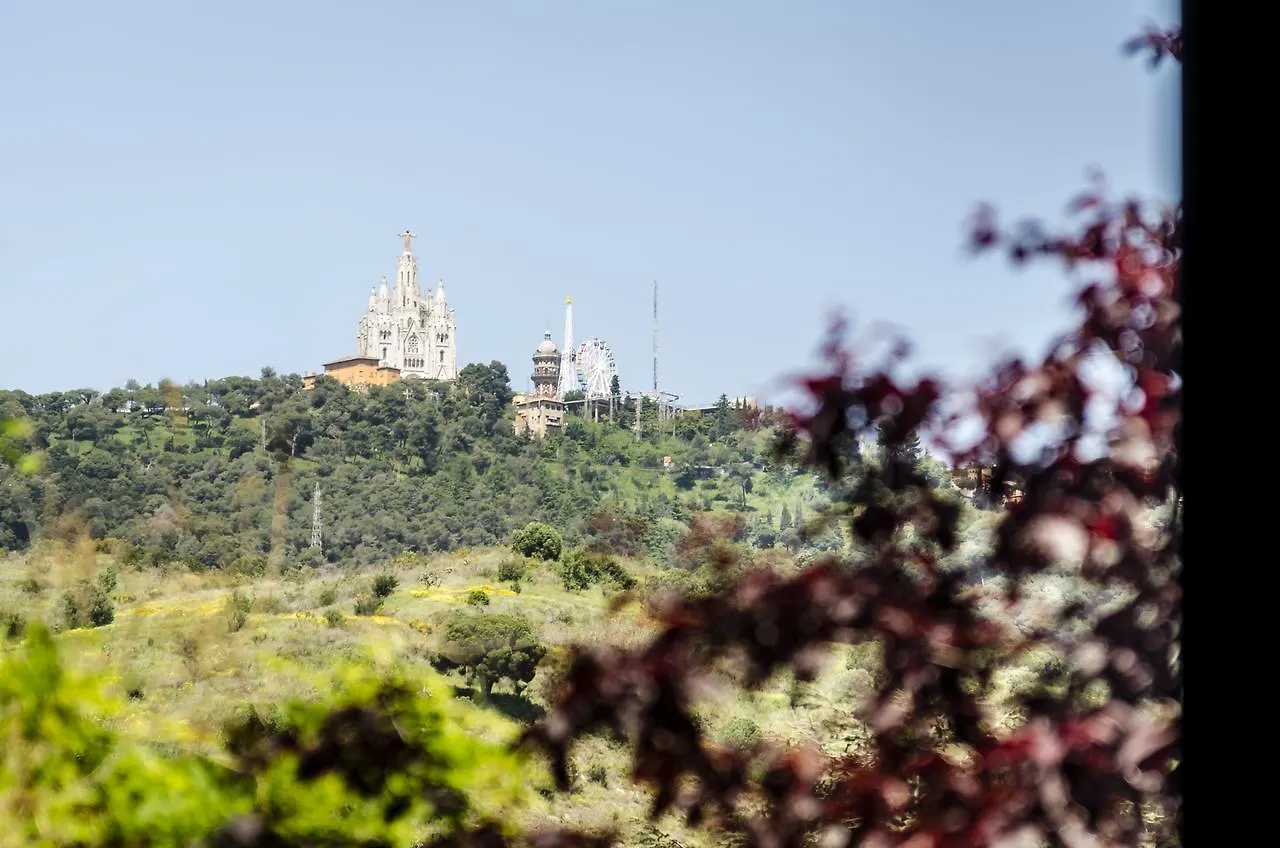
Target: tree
{"x": 906, "y": 450}
{"x": 490, "y": 648}
{"x": 1093, "y": 758}
{"x": 538, "y": 541}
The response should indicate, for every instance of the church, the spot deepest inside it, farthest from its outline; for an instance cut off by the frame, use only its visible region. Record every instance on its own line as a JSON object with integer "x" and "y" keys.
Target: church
{"x": 407, "y": 331}
{"x": 402, "y": 334}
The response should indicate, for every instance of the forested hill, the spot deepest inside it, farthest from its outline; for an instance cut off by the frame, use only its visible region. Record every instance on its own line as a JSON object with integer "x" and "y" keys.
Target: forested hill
{"x": 221, "y": 475}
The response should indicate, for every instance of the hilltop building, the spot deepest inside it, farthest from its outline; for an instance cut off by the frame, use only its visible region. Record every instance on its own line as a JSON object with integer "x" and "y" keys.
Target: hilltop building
{"x": 543, "y": 411}
{"x": 403, "y": 333}
{"x": 356, "y": 371}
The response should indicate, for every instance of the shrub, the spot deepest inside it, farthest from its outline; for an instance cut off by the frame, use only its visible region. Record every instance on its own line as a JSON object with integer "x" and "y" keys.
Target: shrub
{"x": 12, "y": 625}
{"x": 582, "y": 569}
{"x": 333, "y": 618}
{"x": 367, "y": 604}
{"x": 537, "y": 540}
{"x": 510, "y": 570}
{"x": 597, "y": 773}
{"x": 741, "y": 732}
{"x": 478, "y": 598}
{"x": 108, "y": 578}
{"x": 328, "y": 595}
{"x": 80, "y": 782}
{"x": 87, "y": 605}
{"x": 249, "y": 565}
{"x": 133, "y": 688}
{"x": 238, "y": 608}
{"x": 269, "y": 605}
{"x": 384, "y": 585}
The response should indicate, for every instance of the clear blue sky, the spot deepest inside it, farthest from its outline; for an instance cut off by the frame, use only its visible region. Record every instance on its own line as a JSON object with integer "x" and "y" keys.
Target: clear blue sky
{"x": 194, "y": 190}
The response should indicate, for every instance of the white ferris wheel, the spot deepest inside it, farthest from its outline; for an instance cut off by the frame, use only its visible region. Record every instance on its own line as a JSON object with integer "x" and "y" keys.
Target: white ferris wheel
{"x": 596, "y": 369}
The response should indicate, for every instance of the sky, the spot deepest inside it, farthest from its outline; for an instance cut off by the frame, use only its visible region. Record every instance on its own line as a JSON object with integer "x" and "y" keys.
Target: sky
{"x": 195, "y": 190}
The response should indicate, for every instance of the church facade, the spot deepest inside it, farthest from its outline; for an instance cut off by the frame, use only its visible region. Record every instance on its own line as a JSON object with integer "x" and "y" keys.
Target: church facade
{"x": 408, "y": 331}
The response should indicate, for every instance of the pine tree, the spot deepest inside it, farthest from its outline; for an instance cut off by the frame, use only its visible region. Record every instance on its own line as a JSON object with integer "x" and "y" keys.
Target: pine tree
{"x": 909, "y": 451}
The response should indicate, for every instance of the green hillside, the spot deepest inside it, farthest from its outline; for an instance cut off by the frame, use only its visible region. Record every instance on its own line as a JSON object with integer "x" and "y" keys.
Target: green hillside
{"x": 164, "y": 538}
{"x": 215, "y": 474}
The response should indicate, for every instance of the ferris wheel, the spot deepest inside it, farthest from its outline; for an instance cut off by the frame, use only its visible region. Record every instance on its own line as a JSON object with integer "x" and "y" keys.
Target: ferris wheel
{"x": 596, "y": 369}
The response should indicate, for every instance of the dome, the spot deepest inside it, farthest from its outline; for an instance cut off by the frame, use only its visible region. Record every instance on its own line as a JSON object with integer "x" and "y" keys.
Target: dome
{"x": 548, "y": 347}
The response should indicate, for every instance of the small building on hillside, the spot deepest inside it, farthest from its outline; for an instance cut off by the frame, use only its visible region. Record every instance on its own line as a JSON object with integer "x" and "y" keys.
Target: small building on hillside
{"x": 974, "y": 482}
{"x": 543, "y": 411}
{"x": 356, "y": 371}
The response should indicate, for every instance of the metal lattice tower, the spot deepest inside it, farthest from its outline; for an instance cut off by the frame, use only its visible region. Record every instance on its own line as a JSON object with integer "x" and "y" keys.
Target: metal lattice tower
{"x": 655, "y": 339}
{"x": 316, "y": 521}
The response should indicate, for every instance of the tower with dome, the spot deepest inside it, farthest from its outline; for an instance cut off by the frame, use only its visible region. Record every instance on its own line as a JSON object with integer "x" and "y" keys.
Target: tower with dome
{"x": 543, "y": 410}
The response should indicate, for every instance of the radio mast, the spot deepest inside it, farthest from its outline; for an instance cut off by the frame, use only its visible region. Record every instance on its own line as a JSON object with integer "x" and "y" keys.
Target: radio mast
{"x": 316, "y": 521}
{"x": 655, "y": 342}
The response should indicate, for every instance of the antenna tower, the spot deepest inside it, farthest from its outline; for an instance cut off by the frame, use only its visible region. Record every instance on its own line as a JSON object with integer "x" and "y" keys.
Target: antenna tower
{"x": 655, "y": 340}
{"x": 316, "y": 521}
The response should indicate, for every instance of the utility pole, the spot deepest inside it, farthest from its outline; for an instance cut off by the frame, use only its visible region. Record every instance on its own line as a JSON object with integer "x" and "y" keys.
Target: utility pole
{"x": 316, "y": 521}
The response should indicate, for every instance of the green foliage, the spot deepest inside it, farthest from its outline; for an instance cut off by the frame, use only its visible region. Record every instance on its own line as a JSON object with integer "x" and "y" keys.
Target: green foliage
{"x": 238, "y": 608}
{"x": 538, "y": 541}
{"x": 86, "y": 604}
{"x": 489, "y": 648}
{"x": 328, "y": 595}
{"x": 384, "y": 585}
{"x": 334, "y": 618}
{"x": 12, "y": 624}
{"x": 741, "y": 732}
{"x": 269, "y": 604}
{"x": 411, "y": 766}
{"x": 582, "y": 569}
{"x": 108, "y": 578}
{"x": 511, "y": 570}
{"x": 478, "y": 598}
{"x": 15, "y": 433}
{"x": 415, "y": 467}
{"x": 367, "y": 604}
{"x": 249, "y": 565}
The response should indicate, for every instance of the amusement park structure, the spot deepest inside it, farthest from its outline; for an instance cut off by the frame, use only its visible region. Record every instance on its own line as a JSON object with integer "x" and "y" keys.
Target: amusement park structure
{"x": 589, "y": 368}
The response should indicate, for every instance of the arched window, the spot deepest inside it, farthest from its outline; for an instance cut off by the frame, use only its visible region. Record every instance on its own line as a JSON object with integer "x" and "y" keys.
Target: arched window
{"x": 411, "y": 346}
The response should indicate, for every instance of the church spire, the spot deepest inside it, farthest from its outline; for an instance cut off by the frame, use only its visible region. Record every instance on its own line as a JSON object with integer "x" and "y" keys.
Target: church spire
{"x": 407, "y": 272}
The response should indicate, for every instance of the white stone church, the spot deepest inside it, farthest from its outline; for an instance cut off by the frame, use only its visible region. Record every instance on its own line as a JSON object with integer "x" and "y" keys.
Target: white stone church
{"x": 405, "y": 330}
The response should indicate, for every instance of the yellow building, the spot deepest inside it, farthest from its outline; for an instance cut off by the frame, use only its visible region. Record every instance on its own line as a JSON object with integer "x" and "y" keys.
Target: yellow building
{"x": 355, "y": 371}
